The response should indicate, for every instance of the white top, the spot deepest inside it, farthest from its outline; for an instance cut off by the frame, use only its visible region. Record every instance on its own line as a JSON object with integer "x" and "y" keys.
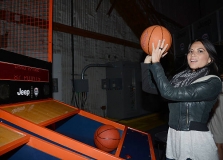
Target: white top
{"x": 196, "y": 145}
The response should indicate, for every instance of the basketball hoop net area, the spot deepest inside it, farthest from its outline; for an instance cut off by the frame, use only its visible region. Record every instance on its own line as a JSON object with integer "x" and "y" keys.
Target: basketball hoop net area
{"x": 26, "y": 28}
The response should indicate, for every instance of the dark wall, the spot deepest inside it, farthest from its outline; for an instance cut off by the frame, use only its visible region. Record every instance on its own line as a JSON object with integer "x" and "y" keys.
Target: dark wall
{"x": 186, "y": 12}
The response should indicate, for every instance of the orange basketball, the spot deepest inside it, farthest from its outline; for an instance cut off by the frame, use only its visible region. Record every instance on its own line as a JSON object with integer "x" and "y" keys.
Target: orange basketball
{"x": 107, "y": 138}
{"x": 153, "y": 34}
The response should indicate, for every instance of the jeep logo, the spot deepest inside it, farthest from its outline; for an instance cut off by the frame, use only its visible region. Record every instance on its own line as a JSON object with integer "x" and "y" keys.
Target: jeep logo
{"x": 23, "y": 92}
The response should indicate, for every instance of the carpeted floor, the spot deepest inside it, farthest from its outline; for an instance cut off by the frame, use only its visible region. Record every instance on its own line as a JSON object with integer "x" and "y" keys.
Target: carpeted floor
{"x": 145, "y": 122}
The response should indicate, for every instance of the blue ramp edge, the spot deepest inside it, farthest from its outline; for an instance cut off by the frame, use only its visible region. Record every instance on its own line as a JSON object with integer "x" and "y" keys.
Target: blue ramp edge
{"x": 136, "y": 146}
{"x": 28, "y": 153}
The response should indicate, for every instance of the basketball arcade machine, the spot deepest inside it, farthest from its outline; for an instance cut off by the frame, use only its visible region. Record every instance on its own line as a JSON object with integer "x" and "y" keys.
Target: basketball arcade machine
{"x": 35, "y": 126}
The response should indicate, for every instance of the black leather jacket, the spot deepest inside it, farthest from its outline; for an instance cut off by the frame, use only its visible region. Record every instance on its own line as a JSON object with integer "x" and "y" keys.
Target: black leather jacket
{"x": 189, "y": 106}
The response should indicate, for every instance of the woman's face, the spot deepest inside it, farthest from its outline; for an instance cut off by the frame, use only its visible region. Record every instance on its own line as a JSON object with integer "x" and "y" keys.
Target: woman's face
{"x": 197, "y": 56}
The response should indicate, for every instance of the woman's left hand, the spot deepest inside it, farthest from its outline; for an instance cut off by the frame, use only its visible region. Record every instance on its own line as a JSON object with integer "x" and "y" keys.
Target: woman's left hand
{"x": 158, "y": 52}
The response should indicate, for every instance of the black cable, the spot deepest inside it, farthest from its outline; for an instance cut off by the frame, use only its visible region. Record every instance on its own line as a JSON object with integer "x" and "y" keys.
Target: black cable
{"x": 81, "y": 99}
{"x": 72, "y": 51}
{"x": 94, "y": 65}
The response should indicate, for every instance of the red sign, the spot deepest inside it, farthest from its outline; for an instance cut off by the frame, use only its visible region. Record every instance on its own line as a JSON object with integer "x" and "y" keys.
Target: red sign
{"x": 16, "y": 72}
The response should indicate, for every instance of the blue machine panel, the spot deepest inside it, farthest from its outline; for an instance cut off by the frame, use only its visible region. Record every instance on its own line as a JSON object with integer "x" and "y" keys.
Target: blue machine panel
{"x": 138, "y": 149}
{"x": 80, "y": 128}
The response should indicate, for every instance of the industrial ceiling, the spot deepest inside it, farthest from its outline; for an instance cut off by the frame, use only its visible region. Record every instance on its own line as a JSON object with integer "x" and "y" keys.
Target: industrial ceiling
{"x": 173, "y": 14}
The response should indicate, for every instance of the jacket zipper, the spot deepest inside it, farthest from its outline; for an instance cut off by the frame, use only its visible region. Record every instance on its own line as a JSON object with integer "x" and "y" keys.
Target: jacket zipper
{"x": 187, "y": 114}
{"x": 178, "y": 127}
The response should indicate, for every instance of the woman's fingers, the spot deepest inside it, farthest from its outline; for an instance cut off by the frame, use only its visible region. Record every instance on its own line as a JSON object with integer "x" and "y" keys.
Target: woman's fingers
{"x": 165, "y": 47}
{"x": 163, "y": 55}
{"x": 162, "y": 44}
{"x": 148, "y": 59}
{"x": 153, "y": 46}
{"x": 160, "y": 48}
{"x": 159, "y": 51}
{"x": 158, "y": 45}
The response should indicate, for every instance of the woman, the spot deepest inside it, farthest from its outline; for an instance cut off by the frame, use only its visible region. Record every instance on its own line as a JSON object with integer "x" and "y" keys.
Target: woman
{"x": 191, "y": 95}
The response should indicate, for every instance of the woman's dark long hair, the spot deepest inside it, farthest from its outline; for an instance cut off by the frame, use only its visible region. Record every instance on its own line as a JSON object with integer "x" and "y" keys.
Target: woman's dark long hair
{"x": 213, "y": 65}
